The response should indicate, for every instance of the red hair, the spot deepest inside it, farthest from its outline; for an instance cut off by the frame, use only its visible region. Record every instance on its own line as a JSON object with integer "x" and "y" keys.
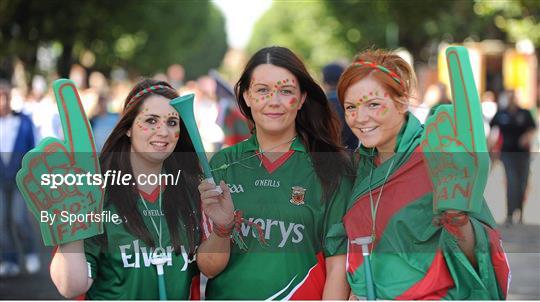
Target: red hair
{"x": 399, "y": 92}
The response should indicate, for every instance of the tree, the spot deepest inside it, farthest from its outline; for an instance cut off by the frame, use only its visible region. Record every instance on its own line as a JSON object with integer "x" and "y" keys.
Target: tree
{"x": 142, "y": 36}
{"x": 26, "y": 25}
{"x": 519, "y": 19}
{"x": 414, "y": 25}
{"x": 305, "y": 28}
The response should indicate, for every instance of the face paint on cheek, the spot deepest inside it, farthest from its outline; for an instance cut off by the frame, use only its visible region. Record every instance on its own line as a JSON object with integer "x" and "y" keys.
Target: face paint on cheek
{"x": 177, "y": 134}
{"x": 383, "y": 110}
{"x": 293, "y": 102}
{"x": 139, "y": 124}
{"x": 351, "y": 114}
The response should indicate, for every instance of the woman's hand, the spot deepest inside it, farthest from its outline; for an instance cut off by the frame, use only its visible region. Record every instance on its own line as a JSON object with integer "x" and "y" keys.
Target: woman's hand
{"x": 217, "y": 207}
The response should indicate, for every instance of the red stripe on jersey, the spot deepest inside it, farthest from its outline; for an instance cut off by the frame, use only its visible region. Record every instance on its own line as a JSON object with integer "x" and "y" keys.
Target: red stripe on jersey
{"x": 195, "y": 290}
{"x": 152, "y": 197}
{"x": 272, "y": 166}
{"x": 499, "y": 260}
{"x": 397, "y": 194}
{"x": 435, "y": 283}
{"x": 311, "y": 288}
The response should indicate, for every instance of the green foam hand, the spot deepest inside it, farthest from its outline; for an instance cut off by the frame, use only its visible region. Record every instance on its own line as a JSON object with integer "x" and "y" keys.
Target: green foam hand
{"x": 454, "y": 142}
{"x": 66, "y": 212}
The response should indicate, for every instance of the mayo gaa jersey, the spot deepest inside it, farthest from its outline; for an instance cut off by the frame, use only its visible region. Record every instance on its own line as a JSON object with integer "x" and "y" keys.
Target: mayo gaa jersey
{"x": 122, "y": 270}
{"x": 284, "y": 198}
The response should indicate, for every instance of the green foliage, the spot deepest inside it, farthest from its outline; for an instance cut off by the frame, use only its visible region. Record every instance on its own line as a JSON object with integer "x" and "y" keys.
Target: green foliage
{"x": 410, "y": 24}
{"x": 143, "y": 36}
{"x": 304, "y": 27}
{"x": 520, "y": 19}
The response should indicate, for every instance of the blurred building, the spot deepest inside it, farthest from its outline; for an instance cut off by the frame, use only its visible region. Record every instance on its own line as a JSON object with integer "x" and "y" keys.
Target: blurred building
{"x": 498, "y": 66}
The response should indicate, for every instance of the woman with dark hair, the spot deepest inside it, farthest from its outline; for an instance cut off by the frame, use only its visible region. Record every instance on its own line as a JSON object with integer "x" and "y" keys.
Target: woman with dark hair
{"x": 158, "y": 221}
{"x": 398, "y": 248}
{"x": 282, "y": 180}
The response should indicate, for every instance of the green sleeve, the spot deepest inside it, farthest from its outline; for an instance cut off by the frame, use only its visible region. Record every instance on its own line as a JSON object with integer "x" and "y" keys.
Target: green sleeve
{"x": 335, "y": 238}
{"x": 478, "y": 283}
{"x": 92, "y": 249}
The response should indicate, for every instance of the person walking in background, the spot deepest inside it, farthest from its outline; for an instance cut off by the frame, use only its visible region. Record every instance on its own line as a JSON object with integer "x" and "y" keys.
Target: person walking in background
{"x": 489, "y": 109}
{"x": 515, "y": 127}
{"x": 331, "y": 74}
{"x": 103, "y": 121}
{"x": 206, "y": 113}
{"x": 18, "y": 243}
{"x": 41, "y": 108}
{"x": 230, "y": 119}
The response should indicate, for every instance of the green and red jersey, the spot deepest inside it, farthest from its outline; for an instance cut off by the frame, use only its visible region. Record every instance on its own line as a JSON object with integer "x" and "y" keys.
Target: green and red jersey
{"x": 121, "y": 268}
{"x": 412, "y": 258}
{"x": 292, "y": 221}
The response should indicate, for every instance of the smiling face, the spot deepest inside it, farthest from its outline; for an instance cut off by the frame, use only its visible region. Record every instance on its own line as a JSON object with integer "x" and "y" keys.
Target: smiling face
{"x": 155, "y": 130}
{"x": 274, "y": 98}
{"x": 372, "y": 115}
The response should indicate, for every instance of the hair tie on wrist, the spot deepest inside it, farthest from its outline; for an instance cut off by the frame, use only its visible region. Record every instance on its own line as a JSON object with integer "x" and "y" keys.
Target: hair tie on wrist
{"x": 452, "y": 222}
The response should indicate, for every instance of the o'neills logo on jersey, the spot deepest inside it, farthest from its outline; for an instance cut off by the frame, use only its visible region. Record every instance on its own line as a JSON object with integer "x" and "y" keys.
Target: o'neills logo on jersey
{"x": 135, "y": 256}
{"x": 153, "y": 213}
{"x": 267, "y": 183}
{"x": 236, "y": 188}
{"x": 288, "y": 231}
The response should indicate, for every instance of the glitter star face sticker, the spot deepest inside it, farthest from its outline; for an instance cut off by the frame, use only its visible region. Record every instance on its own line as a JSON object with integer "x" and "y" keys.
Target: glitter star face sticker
{"x": 148, "y": 121}
{"x": 373, "y": 116}
{"x": 285, "y": 89}
{"x": 373, "y": 99}
{"x": 155, "y": 130}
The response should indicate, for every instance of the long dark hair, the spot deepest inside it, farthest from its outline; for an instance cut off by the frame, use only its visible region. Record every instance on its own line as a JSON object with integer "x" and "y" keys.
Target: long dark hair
{"x": 316, "y": 123}
{"x": 180, "y": 203}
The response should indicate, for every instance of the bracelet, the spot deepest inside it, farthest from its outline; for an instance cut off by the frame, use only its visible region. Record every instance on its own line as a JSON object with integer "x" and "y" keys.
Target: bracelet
{"x": 452, "y": 222}
{"x": 224, "y": 231}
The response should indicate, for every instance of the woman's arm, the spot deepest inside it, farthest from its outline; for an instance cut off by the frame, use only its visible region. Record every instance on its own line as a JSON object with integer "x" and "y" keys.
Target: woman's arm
{"x": 467, "y": 241}
{"x": 213, "y": 254}
{"x": 336, "y": 286}
{"x": 69, "y": 270}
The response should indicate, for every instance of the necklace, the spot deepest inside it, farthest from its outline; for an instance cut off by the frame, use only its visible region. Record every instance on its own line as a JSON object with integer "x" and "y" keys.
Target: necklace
{"x": 159, "y": 256}
{"x": 261, "y": 152}
{"x": 376, "y": 207}
{"x": 158, "y": 231}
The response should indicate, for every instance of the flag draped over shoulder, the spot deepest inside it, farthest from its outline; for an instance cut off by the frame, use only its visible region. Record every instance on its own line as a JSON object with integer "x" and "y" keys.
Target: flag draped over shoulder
{"x": 412, "y": 258}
